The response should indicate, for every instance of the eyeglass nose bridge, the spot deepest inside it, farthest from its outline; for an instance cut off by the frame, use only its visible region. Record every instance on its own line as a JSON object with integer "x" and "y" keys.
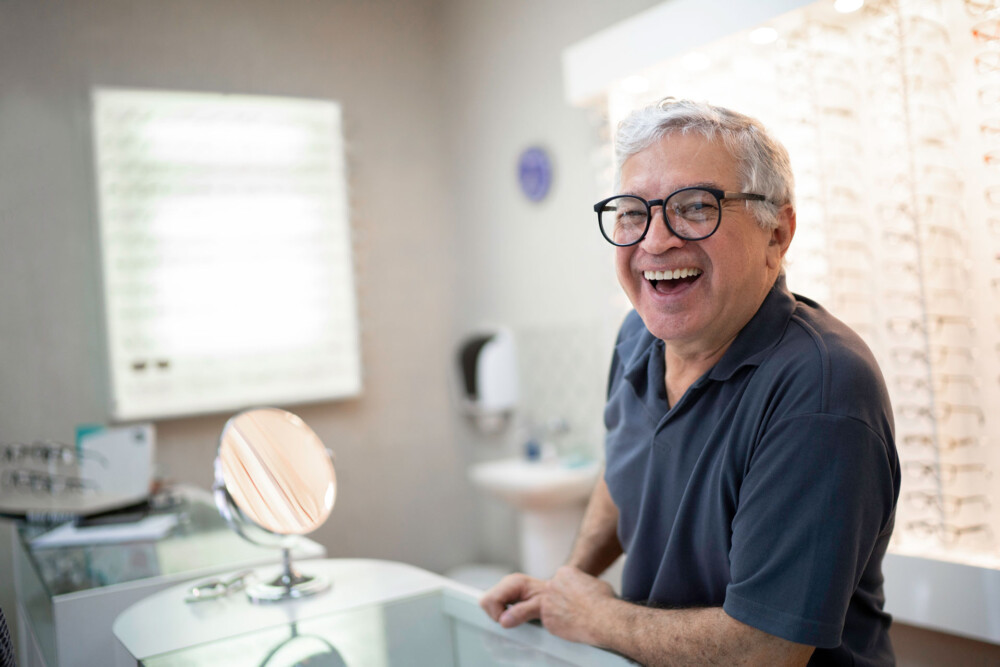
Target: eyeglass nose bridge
{"x": 654, "y": 205}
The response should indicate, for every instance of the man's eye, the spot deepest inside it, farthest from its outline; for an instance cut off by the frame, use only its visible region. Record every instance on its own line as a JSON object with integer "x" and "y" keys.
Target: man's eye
{"x": 697, "y": 209}
{"x": 697, "y": 206}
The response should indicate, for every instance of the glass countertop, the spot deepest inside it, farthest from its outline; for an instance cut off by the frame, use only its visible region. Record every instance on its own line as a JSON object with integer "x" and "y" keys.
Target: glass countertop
{"x": 406, "y": 632}
{"x": 378, "y": 614}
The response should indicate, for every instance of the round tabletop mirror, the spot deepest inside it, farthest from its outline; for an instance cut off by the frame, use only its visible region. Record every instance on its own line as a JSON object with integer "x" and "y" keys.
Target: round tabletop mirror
{"x": 274, "y": 480}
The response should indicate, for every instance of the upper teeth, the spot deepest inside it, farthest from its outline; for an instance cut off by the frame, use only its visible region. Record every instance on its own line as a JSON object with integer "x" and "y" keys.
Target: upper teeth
{"x": 670, "y": 275}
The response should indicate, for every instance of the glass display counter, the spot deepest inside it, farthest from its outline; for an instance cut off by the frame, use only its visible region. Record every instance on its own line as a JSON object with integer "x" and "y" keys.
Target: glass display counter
{"x": 68, "y": 596}
{"x": 378, "y": 614}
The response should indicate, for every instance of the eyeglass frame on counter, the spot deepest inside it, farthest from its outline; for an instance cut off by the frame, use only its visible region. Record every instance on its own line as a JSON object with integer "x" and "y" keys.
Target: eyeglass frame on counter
{"x": 47, "y": 451}
{"x": 37, "y": 481}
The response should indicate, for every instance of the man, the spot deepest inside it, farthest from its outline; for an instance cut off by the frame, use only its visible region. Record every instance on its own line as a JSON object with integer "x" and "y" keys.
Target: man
{"x": 751, "y": 470}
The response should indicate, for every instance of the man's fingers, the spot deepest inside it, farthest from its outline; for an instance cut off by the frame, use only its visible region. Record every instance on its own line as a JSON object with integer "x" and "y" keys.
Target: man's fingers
{"x": 492, "y": 605}
{"x": 512, "y": 589}
{"x": 521, "y": 612}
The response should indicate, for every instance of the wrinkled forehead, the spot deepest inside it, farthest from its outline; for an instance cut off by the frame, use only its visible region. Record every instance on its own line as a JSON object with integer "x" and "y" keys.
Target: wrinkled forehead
{"x": 679, "y": 160}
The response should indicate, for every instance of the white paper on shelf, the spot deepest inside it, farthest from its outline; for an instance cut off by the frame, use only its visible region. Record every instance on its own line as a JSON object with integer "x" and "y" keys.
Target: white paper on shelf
{"x": 150, "y": 528}
{"x": 119, "y": 460}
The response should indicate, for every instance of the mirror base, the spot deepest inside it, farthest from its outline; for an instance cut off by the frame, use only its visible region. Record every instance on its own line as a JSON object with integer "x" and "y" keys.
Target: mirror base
{"x": 287, "y": 586}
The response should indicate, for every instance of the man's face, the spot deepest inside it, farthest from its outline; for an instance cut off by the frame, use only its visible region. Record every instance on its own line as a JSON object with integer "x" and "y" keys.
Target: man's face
{"x": 729, "y": 272}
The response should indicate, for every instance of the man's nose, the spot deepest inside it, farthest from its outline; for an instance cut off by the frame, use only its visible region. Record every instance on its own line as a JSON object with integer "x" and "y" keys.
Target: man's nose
{"x": 659, "y": 237}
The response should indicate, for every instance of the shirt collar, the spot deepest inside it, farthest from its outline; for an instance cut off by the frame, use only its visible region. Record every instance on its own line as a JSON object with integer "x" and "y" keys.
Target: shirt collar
{"x": 634, "y": 352}
{"x": 760, "y": 334}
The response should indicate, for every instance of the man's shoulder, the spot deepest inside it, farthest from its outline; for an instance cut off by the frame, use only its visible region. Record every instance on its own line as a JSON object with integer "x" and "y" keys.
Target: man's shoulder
{"x": 828, "y": 362}
{"x": 816, "y": 335}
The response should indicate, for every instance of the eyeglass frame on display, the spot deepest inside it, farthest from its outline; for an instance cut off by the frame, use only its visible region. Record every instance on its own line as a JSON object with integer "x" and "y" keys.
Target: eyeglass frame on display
{"x": 948, "y": 533}
{"x": 37, "y": 481}
{"x": 944, "y": 472}
{"x": 940, "y": 411}
{"x": 945, "y": 502}
{"x": 979, "y": 8}
{"x": 948, "y": 444}
{"x": 940, "y": 354}
{"x": 47, "y": 451}
{"x": 901, "y": 325}
{"x": 987, "y": 30}
{"x": 217, "y": 587}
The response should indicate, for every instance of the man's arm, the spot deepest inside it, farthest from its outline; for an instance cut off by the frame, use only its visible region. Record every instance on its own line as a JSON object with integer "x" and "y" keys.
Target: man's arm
{"x": 580, "y": 608}
{"x": 597, "y": 546}
{"x": 577, "y": 606}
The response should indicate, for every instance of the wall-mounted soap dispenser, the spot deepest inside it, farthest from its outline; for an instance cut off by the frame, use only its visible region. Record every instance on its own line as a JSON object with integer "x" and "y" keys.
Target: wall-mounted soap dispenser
{"x": 488, "y": 364}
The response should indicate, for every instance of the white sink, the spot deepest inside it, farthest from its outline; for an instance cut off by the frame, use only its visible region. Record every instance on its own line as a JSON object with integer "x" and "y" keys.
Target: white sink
{"x": 536, "y": 485}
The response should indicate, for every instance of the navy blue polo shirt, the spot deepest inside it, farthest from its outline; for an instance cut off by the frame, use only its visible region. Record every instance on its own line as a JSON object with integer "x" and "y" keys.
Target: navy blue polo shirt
{"x": 769, "y": 488}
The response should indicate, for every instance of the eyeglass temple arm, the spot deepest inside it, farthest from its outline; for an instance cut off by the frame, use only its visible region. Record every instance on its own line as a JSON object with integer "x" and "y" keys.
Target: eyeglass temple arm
{"x": 603, "y": 205}
{"x": 743, "y": 195}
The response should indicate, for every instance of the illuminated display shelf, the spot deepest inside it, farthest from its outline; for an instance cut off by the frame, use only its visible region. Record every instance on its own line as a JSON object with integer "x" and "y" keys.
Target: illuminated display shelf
{"x": 227, "y": 263}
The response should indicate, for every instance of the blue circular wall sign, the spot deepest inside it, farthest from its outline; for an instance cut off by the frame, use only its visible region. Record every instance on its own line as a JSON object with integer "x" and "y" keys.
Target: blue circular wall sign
{"x": 534, "y": 173}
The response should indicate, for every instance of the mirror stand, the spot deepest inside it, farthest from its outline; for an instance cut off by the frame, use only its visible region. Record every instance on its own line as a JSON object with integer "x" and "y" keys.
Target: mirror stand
{"x": 290, "y": 584}
{"x": 275, "y": 481}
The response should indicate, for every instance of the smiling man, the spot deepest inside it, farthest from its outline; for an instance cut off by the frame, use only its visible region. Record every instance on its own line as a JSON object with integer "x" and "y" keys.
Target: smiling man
{"x": 751, "y": 471}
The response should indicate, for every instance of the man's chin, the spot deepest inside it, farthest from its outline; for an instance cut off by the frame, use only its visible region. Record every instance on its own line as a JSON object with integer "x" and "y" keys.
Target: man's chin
{"x": 670, "y": 328}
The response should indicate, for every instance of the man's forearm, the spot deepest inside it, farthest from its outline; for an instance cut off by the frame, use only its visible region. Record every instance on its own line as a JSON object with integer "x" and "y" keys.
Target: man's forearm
{"x": 705, "y": 636}
{"x": 597, "y": 546}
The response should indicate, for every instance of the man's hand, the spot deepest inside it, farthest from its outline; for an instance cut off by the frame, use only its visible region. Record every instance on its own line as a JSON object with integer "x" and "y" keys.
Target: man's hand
{"x": 571, "y": 605}
{"x": 523, "y": 595}
{"x": 568, "y": 604}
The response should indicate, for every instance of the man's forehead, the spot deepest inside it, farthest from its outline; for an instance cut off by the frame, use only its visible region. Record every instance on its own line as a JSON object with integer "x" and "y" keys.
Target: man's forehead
{"x": 682, "y": 160}
{"x": 688, "y": 146}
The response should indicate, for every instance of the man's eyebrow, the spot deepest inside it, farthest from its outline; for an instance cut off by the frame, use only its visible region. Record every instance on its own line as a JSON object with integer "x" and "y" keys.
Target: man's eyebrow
{"x": 703, "y": 184}
{"x": 700, "y": 184}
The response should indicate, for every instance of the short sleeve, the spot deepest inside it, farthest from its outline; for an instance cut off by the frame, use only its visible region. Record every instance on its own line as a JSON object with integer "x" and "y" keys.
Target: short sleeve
{"x": 818, "y": 492}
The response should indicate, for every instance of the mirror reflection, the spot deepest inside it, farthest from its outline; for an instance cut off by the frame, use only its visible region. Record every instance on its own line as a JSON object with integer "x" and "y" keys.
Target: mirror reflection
{"x": 277, "y": 471}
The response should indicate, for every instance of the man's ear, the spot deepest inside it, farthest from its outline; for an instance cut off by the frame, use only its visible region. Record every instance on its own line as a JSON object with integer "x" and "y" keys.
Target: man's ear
{"x": 781, "y": 235}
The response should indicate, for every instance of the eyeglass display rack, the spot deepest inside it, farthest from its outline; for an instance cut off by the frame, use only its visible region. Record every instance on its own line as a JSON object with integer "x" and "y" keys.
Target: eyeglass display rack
{"x": 891, "y": 115}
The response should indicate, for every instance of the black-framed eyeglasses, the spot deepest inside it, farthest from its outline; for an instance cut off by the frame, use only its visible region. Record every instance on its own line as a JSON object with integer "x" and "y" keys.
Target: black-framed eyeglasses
{"x": 691, "y": 214}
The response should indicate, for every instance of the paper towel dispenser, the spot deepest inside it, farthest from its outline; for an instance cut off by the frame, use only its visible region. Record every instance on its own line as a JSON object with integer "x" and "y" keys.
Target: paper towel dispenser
{"x": 488, "y": 364}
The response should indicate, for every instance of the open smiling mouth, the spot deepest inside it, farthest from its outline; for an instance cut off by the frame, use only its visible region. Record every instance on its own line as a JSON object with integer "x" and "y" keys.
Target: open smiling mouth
{"x": 669, "y": 281}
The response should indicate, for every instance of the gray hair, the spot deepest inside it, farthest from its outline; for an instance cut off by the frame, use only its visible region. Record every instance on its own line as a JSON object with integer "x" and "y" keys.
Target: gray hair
{"x": 762, "y": 162}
